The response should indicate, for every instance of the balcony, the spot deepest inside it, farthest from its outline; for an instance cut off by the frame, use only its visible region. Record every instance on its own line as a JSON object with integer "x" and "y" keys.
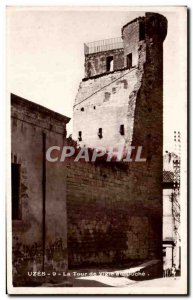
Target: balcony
{"x": 103, "y": 45}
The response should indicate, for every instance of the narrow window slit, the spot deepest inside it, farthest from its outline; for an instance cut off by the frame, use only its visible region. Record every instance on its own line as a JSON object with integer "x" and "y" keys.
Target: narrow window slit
{"x": 100, "y": 133}
{"x": 122, "y": 130}
{"x": 129, "y": 61}
{"x": 80, "y": 136}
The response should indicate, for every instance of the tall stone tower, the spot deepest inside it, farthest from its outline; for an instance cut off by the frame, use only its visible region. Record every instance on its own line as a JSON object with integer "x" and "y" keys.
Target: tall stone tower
{"x": 120, "y": 100}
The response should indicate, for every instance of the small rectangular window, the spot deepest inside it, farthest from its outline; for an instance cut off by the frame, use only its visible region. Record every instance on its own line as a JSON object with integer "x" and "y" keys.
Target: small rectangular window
{"x": 15, "y": 188}
{"x": 110, "y": 63}
{"x": 80, "y": 136}
{"x": 129, "y": 61}
{"x": 100, "y": 133}
{"x": 122, "y": 130}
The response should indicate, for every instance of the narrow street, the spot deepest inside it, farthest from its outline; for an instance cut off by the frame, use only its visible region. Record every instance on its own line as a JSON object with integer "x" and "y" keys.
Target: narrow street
{"x": 121, "y": 278}
{"x": 102, "y": 281}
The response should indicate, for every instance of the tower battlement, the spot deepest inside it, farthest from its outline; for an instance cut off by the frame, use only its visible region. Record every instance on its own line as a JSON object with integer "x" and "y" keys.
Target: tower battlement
{"x": 113, "y": 54}
{"x": 113, "y": 106}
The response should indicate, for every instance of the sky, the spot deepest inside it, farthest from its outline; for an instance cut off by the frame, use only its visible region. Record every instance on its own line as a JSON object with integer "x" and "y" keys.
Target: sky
{"x": 45, "y": 56}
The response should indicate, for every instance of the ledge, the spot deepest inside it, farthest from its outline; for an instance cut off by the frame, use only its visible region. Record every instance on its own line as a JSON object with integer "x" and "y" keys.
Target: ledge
{"x": 107, "y": 73}
{"x": 34, "y": 107}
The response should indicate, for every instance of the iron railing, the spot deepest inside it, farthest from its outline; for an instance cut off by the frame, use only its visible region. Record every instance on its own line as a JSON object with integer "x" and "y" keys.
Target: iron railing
{"x": 103, "y": 45}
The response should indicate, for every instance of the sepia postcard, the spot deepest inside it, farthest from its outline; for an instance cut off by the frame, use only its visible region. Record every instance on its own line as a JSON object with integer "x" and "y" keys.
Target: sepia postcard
{"x": 96, "y": 150}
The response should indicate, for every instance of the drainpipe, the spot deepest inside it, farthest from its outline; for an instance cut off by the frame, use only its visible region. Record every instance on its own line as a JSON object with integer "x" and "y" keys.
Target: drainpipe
{"x": 43, "y": 199}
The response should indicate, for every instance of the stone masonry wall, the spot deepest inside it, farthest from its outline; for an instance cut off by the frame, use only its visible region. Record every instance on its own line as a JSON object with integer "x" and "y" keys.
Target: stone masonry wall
{"x": 106, "y": 107}
{"x": 39, "y": 241}
{"x": 97, "y": 63}
{"x": 108, "y": 221}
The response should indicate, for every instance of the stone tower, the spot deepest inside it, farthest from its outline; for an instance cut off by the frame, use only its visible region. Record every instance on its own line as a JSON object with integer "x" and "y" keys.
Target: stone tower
{"x": 120, "y": 100}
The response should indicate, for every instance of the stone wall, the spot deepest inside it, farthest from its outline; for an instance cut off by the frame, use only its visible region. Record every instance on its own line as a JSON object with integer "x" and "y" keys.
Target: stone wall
{"x": 39, "y": 234}
{"x": 112, "y": 218}
{"x": 105, "y": 101}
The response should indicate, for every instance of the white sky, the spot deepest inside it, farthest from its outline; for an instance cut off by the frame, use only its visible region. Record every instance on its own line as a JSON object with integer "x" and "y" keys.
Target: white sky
{"x": 45, "y": 58}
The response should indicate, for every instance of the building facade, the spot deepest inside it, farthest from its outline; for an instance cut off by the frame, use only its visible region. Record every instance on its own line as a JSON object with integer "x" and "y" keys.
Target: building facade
{"x": 171, "y": 211}
{"x": 39, "y": 222}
